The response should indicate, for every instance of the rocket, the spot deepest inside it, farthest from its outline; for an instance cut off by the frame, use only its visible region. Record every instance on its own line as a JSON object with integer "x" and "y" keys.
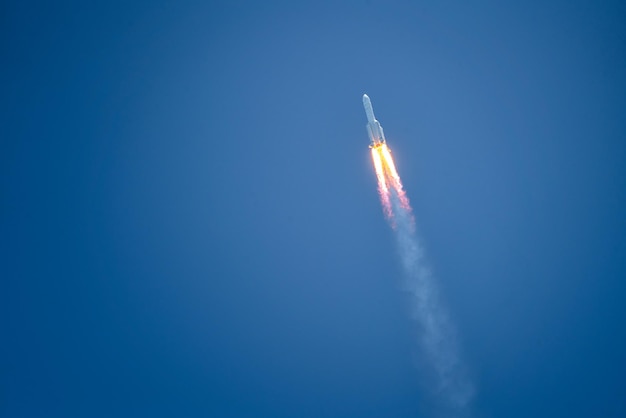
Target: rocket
{"x": 374, "y": 129}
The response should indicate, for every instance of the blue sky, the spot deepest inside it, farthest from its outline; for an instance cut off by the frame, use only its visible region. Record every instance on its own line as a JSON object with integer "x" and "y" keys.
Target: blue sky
{"x": 190, "y": 226}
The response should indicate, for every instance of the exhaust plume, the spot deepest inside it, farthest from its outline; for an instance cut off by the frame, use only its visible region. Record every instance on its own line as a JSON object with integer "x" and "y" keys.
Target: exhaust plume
{"x": 438, "y": 358}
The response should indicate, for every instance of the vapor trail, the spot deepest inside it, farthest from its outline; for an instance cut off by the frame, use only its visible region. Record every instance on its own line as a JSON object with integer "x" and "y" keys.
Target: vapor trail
{"x": 438, "y": 356}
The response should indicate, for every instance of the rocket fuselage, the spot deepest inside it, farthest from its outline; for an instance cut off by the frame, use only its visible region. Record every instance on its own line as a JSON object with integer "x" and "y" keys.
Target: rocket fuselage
{"x": 374, "y": 129}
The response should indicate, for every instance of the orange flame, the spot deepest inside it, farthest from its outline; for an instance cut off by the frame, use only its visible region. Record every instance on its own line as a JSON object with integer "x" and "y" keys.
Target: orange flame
{"x": 388, "y": 180}
{"x": 383, "y": 190}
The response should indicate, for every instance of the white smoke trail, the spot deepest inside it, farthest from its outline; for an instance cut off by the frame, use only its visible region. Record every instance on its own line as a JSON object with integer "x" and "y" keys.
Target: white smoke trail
{"x": 439, "y": 359}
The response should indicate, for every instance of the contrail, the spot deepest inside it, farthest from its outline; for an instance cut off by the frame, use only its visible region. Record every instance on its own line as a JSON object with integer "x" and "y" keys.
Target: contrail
{"x": 444, "y": 374}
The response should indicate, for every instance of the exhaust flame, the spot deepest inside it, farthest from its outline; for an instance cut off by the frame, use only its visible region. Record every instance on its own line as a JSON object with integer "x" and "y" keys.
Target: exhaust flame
{"x": 383, "y": 190}
{"x": 387, "y": 174}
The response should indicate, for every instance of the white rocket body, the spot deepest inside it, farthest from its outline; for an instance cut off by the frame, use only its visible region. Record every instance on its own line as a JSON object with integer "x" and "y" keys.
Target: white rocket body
{"x": 374, "y": 129}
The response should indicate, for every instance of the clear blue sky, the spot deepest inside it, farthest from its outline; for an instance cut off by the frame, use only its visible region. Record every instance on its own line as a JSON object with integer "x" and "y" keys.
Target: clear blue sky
{"x": 189, "y": 223}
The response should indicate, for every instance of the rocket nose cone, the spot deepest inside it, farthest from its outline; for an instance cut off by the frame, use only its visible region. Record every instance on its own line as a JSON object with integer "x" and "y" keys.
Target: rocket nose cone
{"x": 365, "y": 97}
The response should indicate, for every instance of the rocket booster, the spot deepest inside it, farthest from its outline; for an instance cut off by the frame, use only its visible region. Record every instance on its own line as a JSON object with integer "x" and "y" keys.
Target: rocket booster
{"x": 374, "y": 129}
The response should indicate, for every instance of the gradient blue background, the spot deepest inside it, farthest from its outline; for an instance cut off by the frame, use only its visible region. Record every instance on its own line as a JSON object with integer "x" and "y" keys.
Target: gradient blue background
{"x": 190, "y": 227}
